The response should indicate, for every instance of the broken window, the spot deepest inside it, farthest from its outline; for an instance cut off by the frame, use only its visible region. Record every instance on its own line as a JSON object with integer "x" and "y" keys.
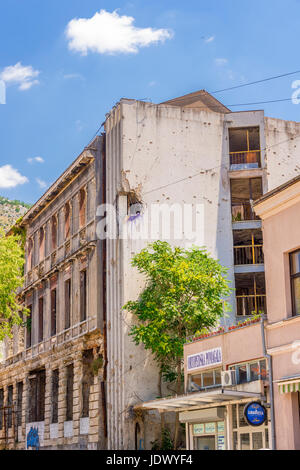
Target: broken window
{"x": 1, "y": 407}
{"x": 67, "y": 220}
{"x": 82, "y": 208}
{"x": 28, "y": 328}
{"x": 36, "y": 397}
{"x": 10, "y": 391}
{"x": 19, "y": 403}
{"x": 250, "y": 294}
{"x": 243, "y": 192}
{"x": 54, "y": 396}
{"x": 69, "y": 391}
{"x": 54, "y": 232}
{"x": 244, "y": 148}
{"x": 41, "y": 319}
{"x": 53, "y": 312}
{"x": 87, "y": 381}
{"x": 83, "y": 296}
{"x": 67, "y": 303}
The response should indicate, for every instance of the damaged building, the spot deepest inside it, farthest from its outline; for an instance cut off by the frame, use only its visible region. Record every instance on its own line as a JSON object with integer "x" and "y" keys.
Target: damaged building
{"x": 74, "y": 373}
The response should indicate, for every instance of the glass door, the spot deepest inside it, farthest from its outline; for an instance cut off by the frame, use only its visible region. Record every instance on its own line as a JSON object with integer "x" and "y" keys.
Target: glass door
{"x": 205, "y": 443}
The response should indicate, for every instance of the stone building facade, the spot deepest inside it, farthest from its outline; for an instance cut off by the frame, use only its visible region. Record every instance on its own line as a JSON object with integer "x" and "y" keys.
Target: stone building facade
{"x": 52, "y": 377}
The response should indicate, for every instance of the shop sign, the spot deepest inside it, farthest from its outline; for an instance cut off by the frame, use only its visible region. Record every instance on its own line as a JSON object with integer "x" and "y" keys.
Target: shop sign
{"x": 198, "y": 428}
{"x": 208, "y": 358}
{"x": 255, "y": 413}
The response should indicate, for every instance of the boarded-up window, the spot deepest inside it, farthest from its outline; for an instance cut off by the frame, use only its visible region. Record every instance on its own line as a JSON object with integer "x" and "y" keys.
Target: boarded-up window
{"x": 67, "y": 303}
{"x": 42, "y": 244}
{"x": 36, "y": 398}
{"x": 41, "y": 319}
{"x": 54, "y": 396}
{"x": 1, "y": 407}
{"x": 19, "y": 403}
{"x": 82, "y": 208}
{"x": 10, "y": 391}
{"x": 69, "y": 391}
{"x": 29, "y": 329}
{"x": 53, "y": 312}
{"x": 87, "y": 381}
{"x": 54, "y": 232}
{"x": 83, "y": 297}
{"x": 67, "y": 220}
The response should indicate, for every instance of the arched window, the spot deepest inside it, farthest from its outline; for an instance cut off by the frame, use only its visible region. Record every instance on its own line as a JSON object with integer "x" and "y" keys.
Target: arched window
{"x": 67, "y": 220}
{"x": 42, "y": 244}
{"x": 82, "y": 208}
{"x": 54, "y": 232}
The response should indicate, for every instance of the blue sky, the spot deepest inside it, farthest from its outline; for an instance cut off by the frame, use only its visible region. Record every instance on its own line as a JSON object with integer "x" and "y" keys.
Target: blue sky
{"x": 61, "y": 77}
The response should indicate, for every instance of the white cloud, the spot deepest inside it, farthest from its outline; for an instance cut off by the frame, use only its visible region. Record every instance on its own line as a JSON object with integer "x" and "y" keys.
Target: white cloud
{"x": 210, "y": 39}
{"x": 35, "y": 159}
{"x": 221, "y": 62}
{"x": 10, "y": 177}
{"x": 24, "y": 76}
{"x": 110, "y": 33}
{"x": 42, "y": 184}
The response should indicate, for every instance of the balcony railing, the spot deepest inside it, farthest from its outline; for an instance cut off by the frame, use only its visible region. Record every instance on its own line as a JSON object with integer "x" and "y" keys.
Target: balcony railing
{"x": 243, "y": 211}
{"x": 248, "y": 254}
{"x": 250, "y": 305}
{"x": 246, "y": 159}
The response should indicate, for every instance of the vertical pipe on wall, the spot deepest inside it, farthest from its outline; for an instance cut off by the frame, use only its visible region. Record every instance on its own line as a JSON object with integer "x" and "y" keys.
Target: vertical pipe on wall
{"x": 270, "y": 368}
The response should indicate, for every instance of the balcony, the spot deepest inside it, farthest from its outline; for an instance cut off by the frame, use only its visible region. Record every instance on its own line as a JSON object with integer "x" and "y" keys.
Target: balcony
{"x": 250, "y": 294}
{"x": 248, "y": 254}
{"x": 247, "y": 305}
{"x": 245, "y": 160}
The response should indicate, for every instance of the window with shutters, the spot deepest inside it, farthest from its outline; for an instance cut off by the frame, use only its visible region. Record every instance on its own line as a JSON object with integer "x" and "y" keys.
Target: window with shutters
{"x": 36, "y": 397}
{"x": 28, "y": 328}
{"x": 53, "y": 312}
{"x": 83, "y": 297}
{"x": 69, "y": 392}
{"x": 67, "y": 303}
{"x": 41, "y": 319}
{"x": 10, "y": 391}
{"x": 19, "y": 403}
{"x": 54, "y": 396}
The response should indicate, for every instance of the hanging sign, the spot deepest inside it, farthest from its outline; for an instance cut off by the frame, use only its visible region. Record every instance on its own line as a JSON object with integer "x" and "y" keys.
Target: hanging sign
{"x": 255, "y": 413}
{"x": 208, "y": 358}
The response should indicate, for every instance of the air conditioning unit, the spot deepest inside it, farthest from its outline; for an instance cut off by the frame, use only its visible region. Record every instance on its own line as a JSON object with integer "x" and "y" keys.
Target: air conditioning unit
{"x": 228, "y": 378}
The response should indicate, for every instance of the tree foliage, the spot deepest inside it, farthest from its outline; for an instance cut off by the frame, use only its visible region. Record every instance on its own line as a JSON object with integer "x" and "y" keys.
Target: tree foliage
{"x": 11, "y": 278}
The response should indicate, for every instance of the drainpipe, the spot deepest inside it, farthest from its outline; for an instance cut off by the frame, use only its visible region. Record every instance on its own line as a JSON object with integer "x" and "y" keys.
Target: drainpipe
{"x": 270, "y": 368}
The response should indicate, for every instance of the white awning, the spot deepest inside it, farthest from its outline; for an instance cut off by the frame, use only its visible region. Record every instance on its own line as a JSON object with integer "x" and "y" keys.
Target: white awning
{"x": 289, "y": 384}
{"x": 216, "y": 397}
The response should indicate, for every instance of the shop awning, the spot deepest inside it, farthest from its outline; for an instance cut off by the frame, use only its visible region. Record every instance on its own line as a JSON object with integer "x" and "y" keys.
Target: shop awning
{"x": 216, "y": 397}
{"x": 289, "y": 384}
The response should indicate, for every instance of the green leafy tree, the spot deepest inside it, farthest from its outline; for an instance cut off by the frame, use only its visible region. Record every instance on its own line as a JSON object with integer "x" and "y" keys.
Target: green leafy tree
{"x": 183, "y": 296}
{"x": 11, "y": 278}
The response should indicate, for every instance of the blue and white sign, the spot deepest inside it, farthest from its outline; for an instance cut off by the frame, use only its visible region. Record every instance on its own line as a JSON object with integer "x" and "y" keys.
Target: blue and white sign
{"x": 212, "y": 357}
{"x": 255, "y": 413}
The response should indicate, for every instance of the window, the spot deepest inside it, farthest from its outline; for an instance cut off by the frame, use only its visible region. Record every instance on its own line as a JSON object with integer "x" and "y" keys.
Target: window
{"x": 42, "y": 244}
{"x": 10, "y": 391}
{"x": 88, "y": 379}
{"x": 29, "y": 254}
{"x": 244, "y": 148}
{"x": 19, "y": 403}
{"x": 67, "y": 220}
{"x": 53, "y": 312}
{"x": 295, "y": 281}
{"x": 243, "y": 192}
{"x": 246, "y": 437}
{"x": 250, "y": 372}
{"x": 41, "y": 319}
{"x": 54, "y": 232}
{"x": 36, "y": 398}
{"x": 54, "y": 396}
{"x": 1, "y": 407}
{"x": 82, "y": 208}
{"x": 28, "y": 328}
{"x": 83, "y": 296}
{"x": 206, "y": 379}
{"x": 69, "y": 390}
{"x": 67, "y": 303}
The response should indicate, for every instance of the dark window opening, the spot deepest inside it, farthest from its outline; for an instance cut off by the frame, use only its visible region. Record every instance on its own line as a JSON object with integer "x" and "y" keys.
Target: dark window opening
{"x": 248, "y": 247}
{"x": 10, "y": 391}
{"x": 29, "y": 327}
{"x": 295, "y": 281}
{"x": 87, "y": 381}
{"x": 82, "y": 208}
{"x": 1, "y": 407}
{"x": 41, "y": 319}
{"x": 54, "y": 396}
{"x": 244, "y": 148}
{"x": 54, "y": 232}
{"x": 250, "y": 293}
{"x": 36, "y": 398}
{"x": 243, "y": 192}
{"x": 53, "y": 312}
{"x": 19, "y": 403}
{"x": 67, "y": 303}
{"x": 67, "y": 220}
{"x": 83, "y": 296}
{"x": 69, "y": 390}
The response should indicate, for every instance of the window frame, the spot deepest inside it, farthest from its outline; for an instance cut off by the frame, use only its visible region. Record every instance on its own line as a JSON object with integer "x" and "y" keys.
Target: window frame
{"x": 292, "y": 277}
{"x": 248, "y": 370}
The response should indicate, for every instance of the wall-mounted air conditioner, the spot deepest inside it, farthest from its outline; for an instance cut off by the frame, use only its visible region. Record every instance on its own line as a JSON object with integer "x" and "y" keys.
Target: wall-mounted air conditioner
{"x": 228, "y": 378}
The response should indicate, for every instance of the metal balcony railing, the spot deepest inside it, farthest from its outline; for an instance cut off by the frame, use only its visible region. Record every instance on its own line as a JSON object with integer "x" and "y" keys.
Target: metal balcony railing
{"x": 248, "y": 159}
{"x": 251, "y": 305}
{"x": 248, "y": 254}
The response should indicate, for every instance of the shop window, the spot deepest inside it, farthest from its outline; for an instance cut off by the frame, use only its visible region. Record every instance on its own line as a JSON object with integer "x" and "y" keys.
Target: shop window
{"x": 41, "y": 319}
{"x": 10, "y": 391}
{"x": 257, "y": 438}
{"x": 295, "y": 281}
{"x": 69, "y": 392}
{"x": 67, "y": 220}
{"x": 204, "y": 380}
{"x": 1, "y": 407}
{"x": 19, "y": 403}
{"x": 83, "y": 296}
{"x": 67, "y": 303}
{"x": 54, "y": 396}
{"x": 53, "y": 312}
{"x": 82, "y": 208}
{"x": 246, "y": 437}
{"x": 36, "y": 398}
{"x": 245, "y": 441}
